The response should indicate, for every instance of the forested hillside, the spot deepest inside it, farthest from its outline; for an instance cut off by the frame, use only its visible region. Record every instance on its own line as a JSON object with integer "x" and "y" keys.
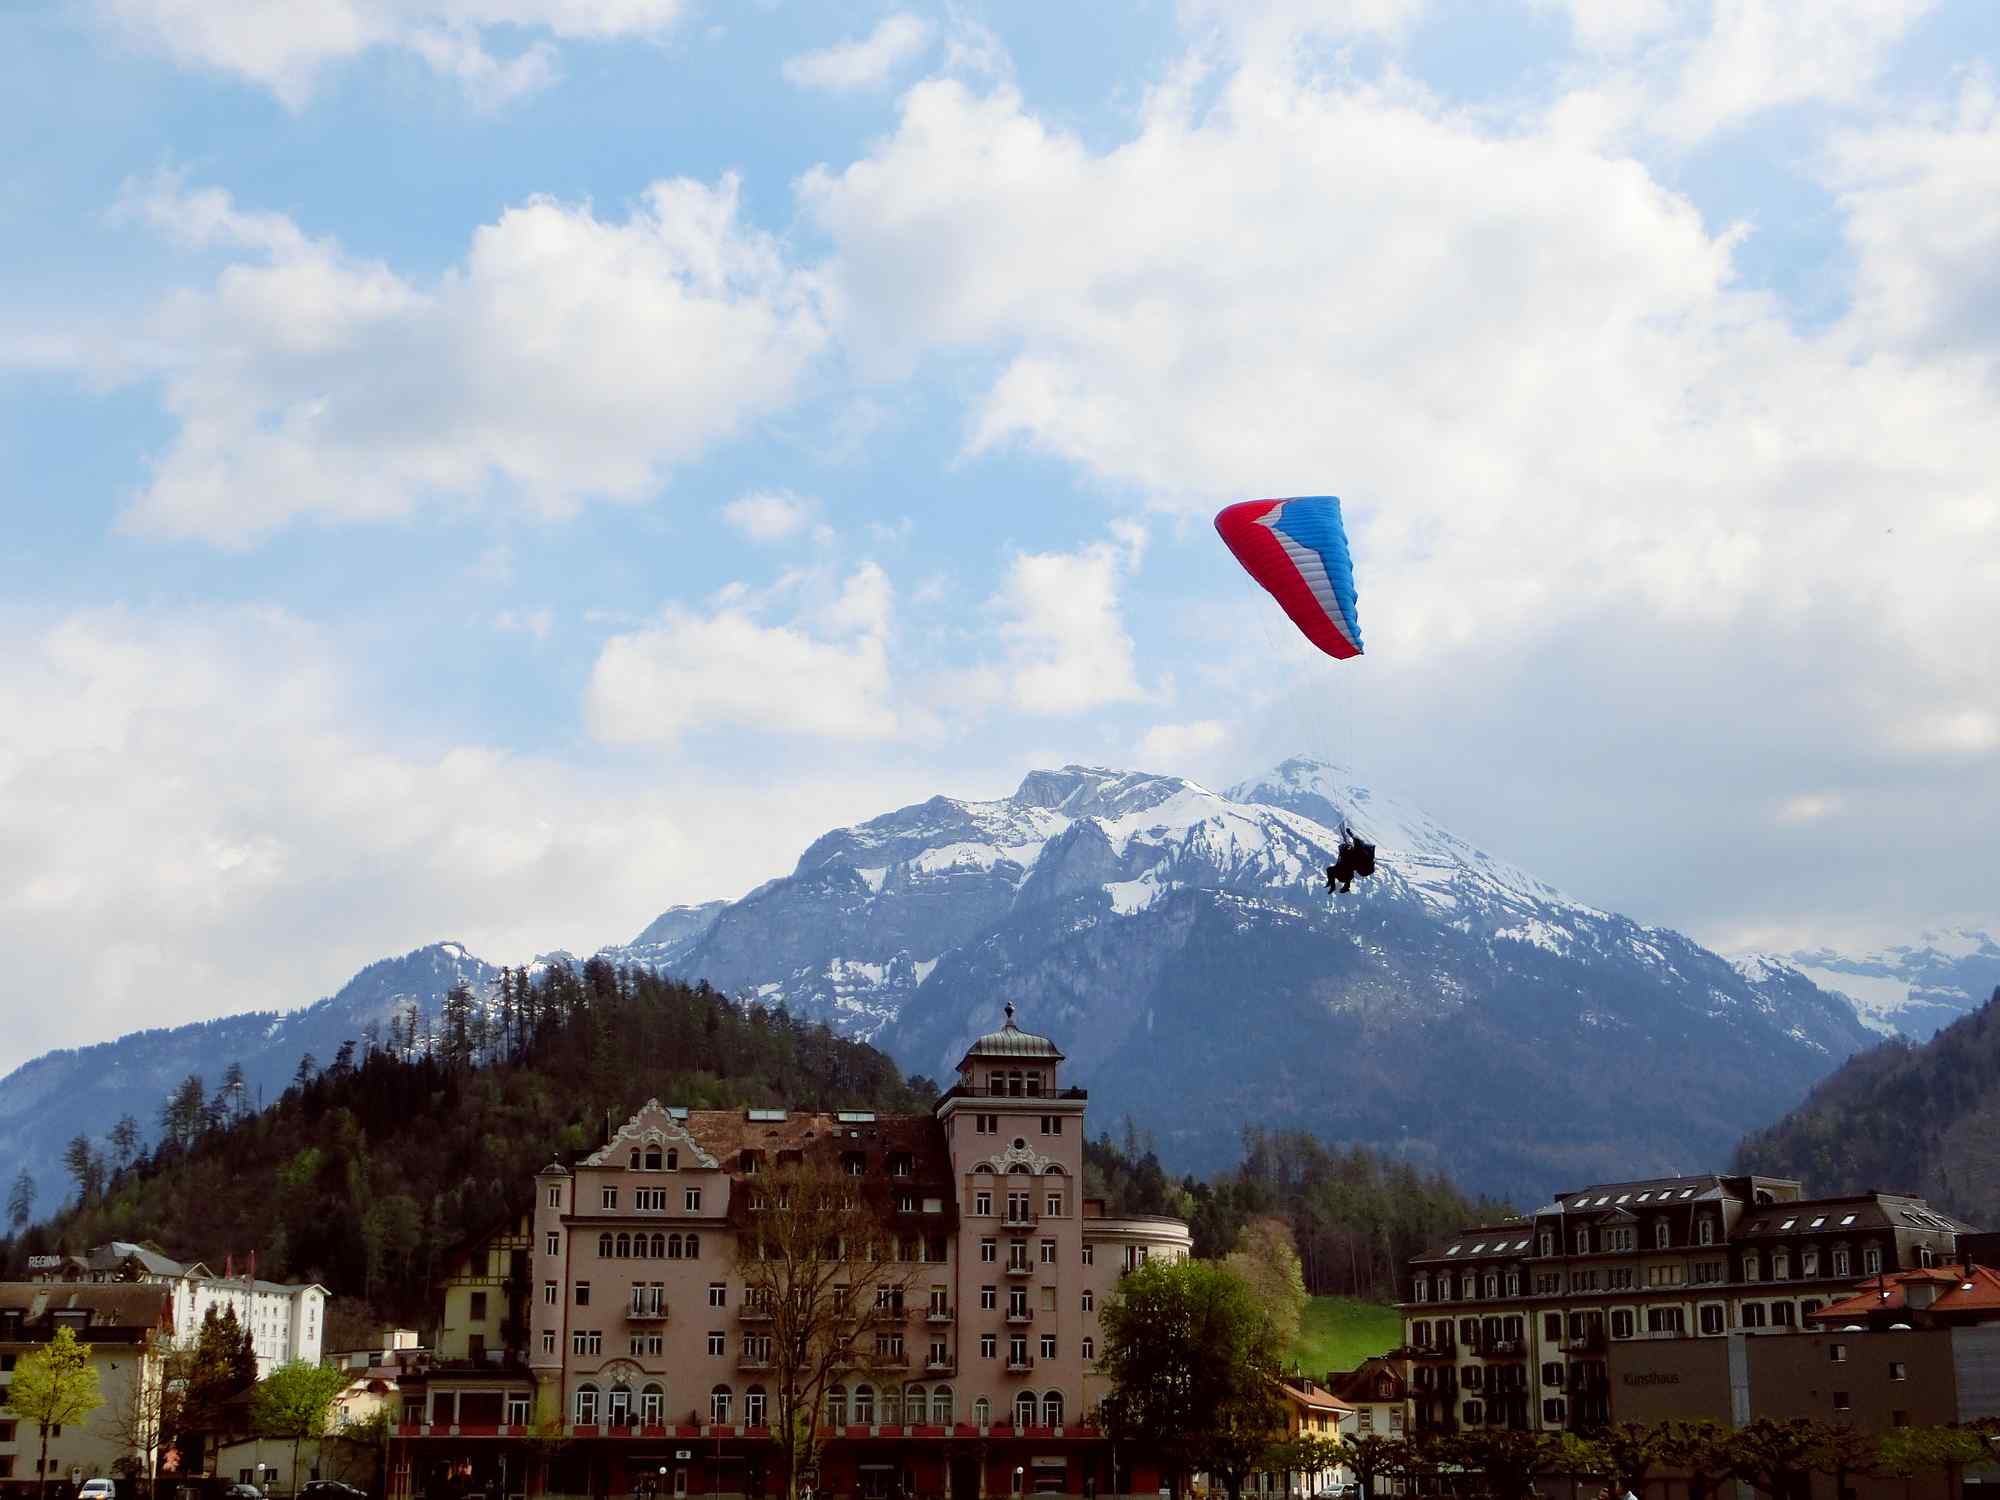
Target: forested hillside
{"x": 1356, "y": 1216}
{"x": 365, "y": 1174}
{"x": 1919, "y": 1118}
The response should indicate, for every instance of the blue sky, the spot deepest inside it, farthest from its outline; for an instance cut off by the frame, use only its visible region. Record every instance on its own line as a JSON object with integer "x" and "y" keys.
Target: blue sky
{"x": 492, "y": 468}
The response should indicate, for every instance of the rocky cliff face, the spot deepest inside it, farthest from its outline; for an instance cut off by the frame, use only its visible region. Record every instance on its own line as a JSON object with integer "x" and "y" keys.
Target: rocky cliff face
{"x": 1179, "y": 943}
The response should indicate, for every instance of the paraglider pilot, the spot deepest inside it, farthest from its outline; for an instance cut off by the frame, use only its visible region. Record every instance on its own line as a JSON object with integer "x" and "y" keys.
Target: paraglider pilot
{"x": 1355, "y": 859}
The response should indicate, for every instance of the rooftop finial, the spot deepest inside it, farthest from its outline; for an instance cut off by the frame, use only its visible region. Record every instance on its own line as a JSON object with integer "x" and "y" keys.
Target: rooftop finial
{"x": 1010, "y": 1012}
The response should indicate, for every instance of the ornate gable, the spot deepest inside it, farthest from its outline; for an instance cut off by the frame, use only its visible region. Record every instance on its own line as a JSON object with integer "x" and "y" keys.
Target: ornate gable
{"x": 1017, "y": 1156}
{"x": 653, "y": 1125}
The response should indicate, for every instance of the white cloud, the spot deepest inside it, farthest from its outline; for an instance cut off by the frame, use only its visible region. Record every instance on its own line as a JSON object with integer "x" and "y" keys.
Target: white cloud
{"x": 530, "y": 622}
{"x": 1922, "y": 205}
{"x": 1809, "y": 807}
{"x": 1068, "y": 650}
{"x": 723, "y": 668}
{"x": 1172, "y": 747}
{"x": 866, "y": 63}
{"x": 286, "y": 45}
{"x": 768, "y": 517}
{"x": 568, "y": 357}
{"x": 195, "y": 819}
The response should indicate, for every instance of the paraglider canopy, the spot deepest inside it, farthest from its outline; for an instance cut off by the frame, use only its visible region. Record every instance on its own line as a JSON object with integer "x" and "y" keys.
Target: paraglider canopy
{"x": 1297, "y": 549}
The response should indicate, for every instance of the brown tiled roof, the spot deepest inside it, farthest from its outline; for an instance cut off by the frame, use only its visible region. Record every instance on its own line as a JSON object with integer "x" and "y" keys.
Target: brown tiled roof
{"x": 1510, "y": 1239}
{"x": 111, "y": 1305}
{"x": 1363, "y": 1383}
{"x": 727, "y": 1133}
{"x": 1869, "y": 1211}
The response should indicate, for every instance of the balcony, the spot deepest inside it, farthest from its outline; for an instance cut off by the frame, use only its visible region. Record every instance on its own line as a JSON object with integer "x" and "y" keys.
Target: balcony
{"x": 753, "y": 1312}
{"x": 1019, "y": 1216}
{"x": 646, "y": 1310}
{"x": 1020, "y": 1364}
{"x": 890, "y": 1359}
{"x": 1503, "y": 1349}
{"x": 1022, "y": 1268}
{"x": 890, "y": 1313}
{"x": 941, "y": 1366}
{"x": 938, "y": 1315}
{"x": 754, "y": 1362}
{"x": 1020, "y": 1317}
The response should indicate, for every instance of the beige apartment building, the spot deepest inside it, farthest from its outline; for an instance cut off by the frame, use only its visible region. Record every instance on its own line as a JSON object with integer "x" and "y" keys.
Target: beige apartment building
{"x": 1510, "y": 1324}
{"x": 124, "y": 1325}
{"x": 646, "y": 1369}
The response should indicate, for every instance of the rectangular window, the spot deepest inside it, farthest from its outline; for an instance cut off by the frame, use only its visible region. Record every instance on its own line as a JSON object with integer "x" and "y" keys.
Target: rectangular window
{"x": 691, "y": 1200}
{"x": 1048, "y": 1252}
{"x": 989, "y": 1298}
{"x": 548, "y": 1341}
{"x": 586, "y": 1341}
{"x": 1837, "y": 1353}
{"x": 548, "y": 1294}
{"x": 517, "y": 1411}
{"x": 716, "y": 1342}
{"x": 1871, "y": 1262}
{"x": 985, "y": 1124}
{"x": 608, "y": 1197}
{"x": 1090, "y": 1255}
{"x": 989, "y": 1251}
{"x": 718, "y": 1294}
{"x": 650, "y": 1200}
{"x": 1089, "y": 1300}
{"x": 583, "y": 1294}
{"x": 1055, "y": 1203}
{"x": 1048, "y": 1346}
{"x": 478, "y": 1309}
{"x": 982, "y": 1204}
{"x": 1842, "y": 1402}
{"x": 555, "y": 1195}
{"x": 1898, "y": 1370}
{"x": 1711, "y": 1318}
{"x": 987, "y": 1345}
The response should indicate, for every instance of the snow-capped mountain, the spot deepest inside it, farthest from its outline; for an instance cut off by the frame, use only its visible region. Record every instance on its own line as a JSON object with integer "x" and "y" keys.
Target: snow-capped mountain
{"x": 50, "y": 1099}
{"x": 1180, "y": 944}
{"x": 1914, "y": 989}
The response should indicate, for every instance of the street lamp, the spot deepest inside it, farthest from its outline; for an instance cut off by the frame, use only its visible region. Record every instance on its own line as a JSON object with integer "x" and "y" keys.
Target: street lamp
{"x": 1020, "y": 1475}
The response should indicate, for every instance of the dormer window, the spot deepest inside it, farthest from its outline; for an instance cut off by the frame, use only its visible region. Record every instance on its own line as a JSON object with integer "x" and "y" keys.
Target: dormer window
{"x": 1583, "y": 1242}
{"x": 1781, "y": 1266}
{"x": 1705, "y": 1231}
{"x": 1548, "y": 1242}
{"x": 1663, "y": 1235}
{"x": 1422, "y": 1290}
{"x": 1809, "y": 1263}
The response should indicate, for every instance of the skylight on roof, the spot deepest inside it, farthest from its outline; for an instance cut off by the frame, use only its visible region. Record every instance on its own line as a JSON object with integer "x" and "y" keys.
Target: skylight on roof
{"x": 1521, "y": 1245}
{"x": 1602, "y": 1199}
{"x": 1817, "y": 1222}
{"x": 1479, "y": 1247}
{"x": 1623, "y": 1196}
{"x": 1687, "y": 1192}
{"x": 1845, "y": 1221}
{"x": 1788, "y": 1223}
{"x": 1642, "y": 1197}
{"x": 1453, "y": 1250}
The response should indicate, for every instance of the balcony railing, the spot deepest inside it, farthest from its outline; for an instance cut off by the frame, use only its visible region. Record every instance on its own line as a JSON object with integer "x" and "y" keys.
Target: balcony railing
{"x": 890, "y": 1312}
{"x": 1020, "y": 1364}
{"x": 1503, "y": 1348}
{"x": 1020, "y": 1216}
{"x": 754, "y": 1362}
{"x": 754, "y": 1312}
{"x": 1020, "y": 1317}
{"x": 944, "y": 1365}
{"x": 938, "y": 1315}
{"x": 646, "y": 1310}
{"x": 1021, "y": 1268}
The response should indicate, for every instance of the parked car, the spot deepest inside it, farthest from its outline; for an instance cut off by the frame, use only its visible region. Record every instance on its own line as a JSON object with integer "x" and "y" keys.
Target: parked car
{"x": 330, "y": 1489}
{"x": 98, "y": 1489}
{"x": 241, "y": 1491}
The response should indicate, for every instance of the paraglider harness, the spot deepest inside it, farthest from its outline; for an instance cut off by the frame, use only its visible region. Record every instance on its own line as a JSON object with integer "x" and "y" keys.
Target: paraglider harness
{"x": 1355, "y": 859}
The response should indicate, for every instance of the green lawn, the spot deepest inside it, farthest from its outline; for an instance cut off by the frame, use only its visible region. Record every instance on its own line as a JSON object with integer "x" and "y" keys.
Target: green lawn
{"x": 1340, "y": 1332}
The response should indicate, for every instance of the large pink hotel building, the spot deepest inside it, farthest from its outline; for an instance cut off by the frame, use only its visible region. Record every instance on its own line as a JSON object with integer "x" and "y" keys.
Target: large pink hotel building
{"x": 640, "y": 1341}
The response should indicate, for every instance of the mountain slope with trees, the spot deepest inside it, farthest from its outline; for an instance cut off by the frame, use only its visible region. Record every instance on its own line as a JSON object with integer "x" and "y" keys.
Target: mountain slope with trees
{"x": 365, "y": 1174}
{"x": 1921, "y": 1118}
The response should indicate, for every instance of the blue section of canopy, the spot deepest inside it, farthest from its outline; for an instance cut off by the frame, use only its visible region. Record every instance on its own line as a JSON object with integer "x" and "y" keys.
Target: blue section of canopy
{"x": 1314, "y": 521}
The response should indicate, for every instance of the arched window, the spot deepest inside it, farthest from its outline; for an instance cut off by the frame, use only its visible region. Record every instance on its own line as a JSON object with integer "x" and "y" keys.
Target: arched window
{"x": 1052, "y": 1408}
{"x": 1492, "y": 1283}
{"x": 916, "y": 1404}
{"x": 1468, "y": 1286}
{"x": 1583, "y": 1242}
{"x": 586, "y": 1405}
{"x": 753, "y": 1406}
{"x": 673, "y": 1161}
{"x": 659, "y": 1247}
{"x": 891, "y": 1414}
{"x": 694, "y": 1247}
{"x": 618, "y": 1406}
{"x": 982, "y": 1412}
{"x": 864, "y": 1405}
{"x": 1024, "y": 1409}
{"x": 1781, "y": 1266}
{"x": 718, "y": 1405}
{"x": 673, "y": 1247}
{"x": 836, "y": 1406}
{"x": 652, "y": 1158}
{"x": 604, "y": 1247}
{"x": 1753, "y": 1266}
{"x": 941, "y": 1412}
{"x": 624, "y": 1247}
{"x": 1705, "y": 1230}
{"x": 652, "y": 1404}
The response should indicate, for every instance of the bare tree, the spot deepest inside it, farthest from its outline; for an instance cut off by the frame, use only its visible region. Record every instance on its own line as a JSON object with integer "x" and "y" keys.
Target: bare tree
{"x": 824, "y": 1277}
{"x": 146, "y": 1419}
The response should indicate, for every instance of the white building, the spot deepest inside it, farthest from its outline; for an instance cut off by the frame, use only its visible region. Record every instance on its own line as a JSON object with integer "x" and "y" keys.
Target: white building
{"x": 285, "y": 1322}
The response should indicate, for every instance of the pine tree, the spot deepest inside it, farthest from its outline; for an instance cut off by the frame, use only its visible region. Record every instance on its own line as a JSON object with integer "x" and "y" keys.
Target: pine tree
{"x": 83, "y": 1163}
{"x": 21, "y": 1201}
{"x": 125, "y": 1142}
